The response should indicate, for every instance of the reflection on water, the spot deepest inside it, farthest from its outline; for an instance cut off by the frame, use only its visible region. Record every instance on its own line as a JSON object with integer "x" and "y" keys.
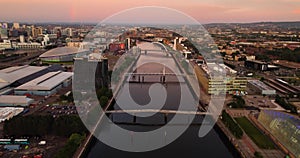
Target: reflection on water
{"x": 188, "y": 145}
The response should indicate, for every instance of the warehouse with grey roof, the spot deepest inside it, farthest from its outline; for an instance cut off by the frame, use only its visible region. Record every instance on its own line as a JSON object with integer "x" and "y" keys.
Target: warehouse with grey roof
{"x": 45, "y": 85}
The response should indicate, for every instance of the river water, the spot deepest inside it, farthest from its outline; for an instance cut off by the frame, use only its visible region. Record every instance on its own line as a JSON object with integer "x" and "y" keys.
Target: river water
{"x": 213, "y": 145}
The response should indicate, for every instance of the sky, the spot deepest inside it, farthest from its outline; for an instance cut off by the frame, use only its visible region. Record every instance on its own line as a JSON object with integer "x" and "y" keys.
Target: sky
{"x": 204, "y": 11}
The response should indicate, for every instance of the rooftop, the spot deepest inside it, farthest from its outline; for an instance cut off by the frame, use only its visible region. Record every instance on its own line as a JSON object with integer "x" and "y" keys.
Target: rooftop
{"x": 288, "y": 64}
{"x": 257, "y": 61}
{"x": 13, "y": 99}
{"x": 260, "y": 85}
{"x": 12, "y": 74}
{"x": 46, "y": 82}
{"x": 60, "y": 51}
{"x": 285, "y": 116}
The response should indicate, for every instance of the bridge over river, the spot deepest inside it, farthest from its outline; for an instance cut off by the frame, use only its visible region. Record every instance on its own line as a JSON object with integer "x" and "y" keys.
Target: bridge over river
{"x": 157, "y": 65}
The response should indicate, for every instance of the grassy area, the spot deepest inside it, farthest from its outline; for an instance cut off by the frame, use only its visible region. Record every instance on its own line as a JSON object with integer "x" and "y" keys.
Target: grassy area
{"x": 232, "y": 125}
{"x": 258, "y": 138}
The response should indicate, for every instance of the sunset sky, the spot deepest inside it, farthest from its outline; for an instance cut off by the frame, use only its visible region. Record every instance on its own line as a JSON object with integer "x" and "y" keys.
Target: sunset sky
{"x": 205, "y": 11}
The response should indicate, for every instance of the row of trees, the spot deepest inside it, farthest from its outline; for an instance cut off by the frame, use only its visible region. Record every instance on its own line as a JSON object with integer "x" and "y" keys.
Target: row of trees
{"x": 38, "y": 125}
{"x": 238, "y": 102}
{"x": 258, "y": 154}
{"x": 69, "y": 98}
{"x": 230, "y": 65}
{"x": 232, "y": 125}
{"x": 286, "y": 54}
{"x": 70, "y": 148}
{"x": 103, "y": 94}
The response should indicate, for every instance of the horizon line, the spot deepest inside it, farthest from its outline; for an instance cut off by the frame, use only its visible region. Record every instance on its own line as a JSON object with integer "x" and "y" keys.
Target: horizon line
{"x": 87, "y": 22}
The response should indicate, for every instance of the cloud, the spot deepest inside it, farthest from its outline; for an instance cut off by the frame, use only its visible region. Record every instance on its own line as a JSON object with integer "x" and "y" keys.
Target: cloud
{"x": 96, "y": 10}
{"x": 296, "y": 11}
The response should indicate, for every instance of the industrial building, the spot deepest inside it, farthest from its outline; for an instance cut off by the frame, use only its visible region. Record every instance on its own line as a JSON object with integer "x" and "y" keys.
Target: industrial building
{"x": 287, "y": 64}
{"x": 7, "y": 113}
{"x": 259, "y": 65}
{"x": 256, "y": 65}
{"x": 282, "y": 87}
{"x": 45, "y": 85}
{"x": 12, "y": 100}
{"x": 260, "y": 88}
{"x": 60, "y": 54}
{"x": 15, "y": 76}
{"x": 284, "y": 127}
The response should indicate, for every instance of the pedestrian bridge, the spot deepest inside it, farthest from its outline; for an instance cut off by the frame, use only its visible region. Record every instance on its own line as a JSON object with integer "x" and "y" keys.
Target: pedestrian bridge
{"x": 153, "y": 74}
{"x": 146, "y": 51}
{"x": 158, "y": 111}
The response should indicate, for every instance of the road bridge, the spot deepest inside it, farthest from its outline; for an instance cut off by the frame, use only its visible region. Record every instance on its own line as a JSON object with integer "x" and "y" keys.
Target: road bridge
{"x": 158, "y": 111}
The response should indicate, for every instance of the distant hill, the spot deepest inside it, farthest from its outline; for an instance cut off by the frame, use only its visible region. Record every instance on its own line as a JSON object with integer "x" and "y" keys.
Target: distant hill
{"x": 285, "y": 25}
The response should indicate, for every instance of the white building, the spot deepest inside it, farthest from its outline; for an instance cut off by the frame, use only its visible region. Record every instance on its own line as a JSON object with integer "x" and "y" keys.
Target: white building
{"x": 33, "y": 45}
{"x": 260, "y": 88}
{"x": 13, "y": 100}
{"x": 16, "y": 25}
{"x": 5, "y": 25}
{"x": 6, "y": 44}
{"x": 20, "y": 74}
{"x": 22, "y": 39}
{"x": 9, "y": 112}
{"x": 45, "y": 85}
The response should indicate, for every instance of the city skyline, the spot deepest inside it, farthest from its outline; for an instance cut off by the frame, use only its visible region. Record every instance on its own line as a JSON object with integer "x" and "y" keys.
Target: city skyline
{"x": 64, "y": 84}
{"x": 216, "y": 11}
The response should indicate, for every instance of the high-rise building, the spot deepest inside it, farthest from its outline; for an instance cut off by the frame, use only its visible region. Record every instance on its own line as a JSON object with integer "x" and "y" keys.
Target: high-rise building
{"x": 57, "y": 31}
{"x": 22, "y": 39}
{"x": 68, "y": 32}
{"x": 14, "y": 33}
{"x": 33, "y": 31}
{"x": 175, "y": 43}
{"x": 128, "y": 43}
{"x": 16, "y": 25}
{"x": 3, "y": 32}
{"x": 5, "y": 25}
{"x": 28, "y": 31}
{"x": 36, "y": 31}
{"x": 94, "y": 66}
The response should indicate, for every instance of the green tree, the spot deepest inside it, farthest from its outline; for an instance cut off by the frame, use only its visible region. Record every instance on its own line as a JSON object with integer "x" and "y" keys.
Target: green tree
{"x": 286, "y": 105}
{"x": 238, "y": 102}
{"x": 103, "y": 101}
{"x": 258, "y": 154}
{"x": 70, "y": 148}
{"x": 262, "y": 79}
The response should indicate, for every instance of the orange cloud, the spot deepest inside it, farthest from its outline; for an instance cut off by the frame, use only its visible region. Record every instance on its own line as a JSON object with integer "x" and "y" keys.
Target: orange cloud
{"x": 297, "y": 11}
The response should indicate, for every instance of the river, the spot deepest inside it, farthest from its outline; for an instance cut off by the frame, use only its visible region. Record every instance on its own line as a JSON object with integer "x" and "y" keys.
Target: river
{"x": 213, "y": 145}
